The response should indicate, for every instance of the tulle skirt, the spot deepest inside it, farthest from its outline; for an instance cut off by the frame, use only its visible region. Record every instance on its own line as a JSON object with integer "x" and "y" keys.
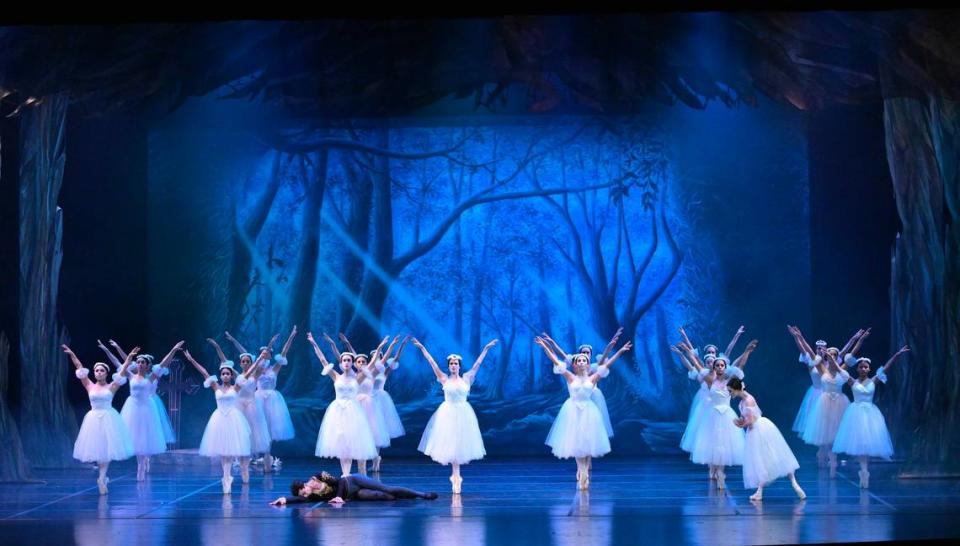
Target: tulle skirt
{"x": 578, "y": 431}
{"x": 277, "y": 414}
{"x": 388, "y": 410}
{"x": 381, "y": 437}
{"x": 597, "y": 396}
{"x": 227, "y": 435}
{"x": 766, "y": 455}
{"x": 345, "y": 433}
{"x": 823, "y": 422}
{"x": 453, "y": 434}
{"x": 145, "y": 426}
{"x": 863, "y": 431}
{"x": 718, "y": 441}
{"x": 806, "y": 408}
{"x": 103, "y": 437}
{"x": 252, "y": 409}
{"x": 694, "y": 418}
{"x": 169, "y": 435}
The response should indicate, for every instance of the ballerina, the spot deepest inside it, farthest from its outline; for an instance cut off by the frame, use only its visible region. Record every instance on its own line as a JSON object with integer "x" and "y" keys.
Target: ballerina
{"x": 366, "y": 372}
{"x": 766, "y": 455}
{"x": 274, "y": 404}
{"x": 596, "y": 394}
{"x": 824, "y": 419}
{"x": 227, "y": 434}
{"x": 247, "y": 401}
{"x": 698, "y": 405}
{"x": 578, "y": 429}
{"x": 382, "y": 398}
{"x": 452, "y": 436}
{"x": 345, "y": 432}
{"x": 103, "y": 436}
{"x": 863, "y": 431}
{"x": 719, "y": 442}
{"x": 139, "y": 413}
{"x": 170, "y": 436}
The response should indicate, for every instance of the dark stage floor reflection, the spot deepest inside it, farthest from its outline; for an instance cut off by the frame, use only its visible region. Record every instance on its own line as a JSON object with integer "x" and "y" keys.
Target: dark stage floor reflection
{"x": 506, "y": 501}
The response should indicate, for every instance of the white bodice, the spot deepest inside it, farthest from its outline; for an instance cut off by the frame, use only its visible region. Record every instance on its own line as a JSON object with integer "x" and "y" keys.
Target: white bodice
{"x": 456, "y": 390}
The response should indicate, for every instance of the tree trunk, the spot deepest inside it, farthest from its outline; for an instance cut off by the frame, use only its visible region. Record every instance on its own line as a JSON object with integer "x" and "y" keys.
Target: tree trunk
{"x": 47, "y": 421}
{"x": 245, "y": 233}
{"x": 301, "y": 377}
{"x": 358, "y": 229}
{"x": 13, "y": 463}
{"x": 374, "y": 293}
{"x": 923, "y": 146}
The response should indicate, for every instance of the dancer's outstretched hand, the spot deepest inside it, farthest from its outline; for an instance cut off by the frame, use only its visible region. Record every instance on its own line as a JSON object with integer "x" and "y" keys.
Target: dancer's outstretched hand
{"x": 279, "y": 502}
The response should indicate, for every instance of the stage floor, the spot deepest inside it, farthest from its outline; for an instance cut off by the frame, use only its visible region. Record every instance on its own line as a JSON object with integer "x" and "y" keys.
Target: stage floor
{"x": 504, "y": 501}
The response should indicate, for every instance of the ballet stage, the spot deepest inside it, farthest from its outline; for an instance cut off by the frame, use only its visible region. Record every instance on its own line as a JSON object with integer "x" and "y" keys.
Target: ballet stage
{"x": 505, "y": 501}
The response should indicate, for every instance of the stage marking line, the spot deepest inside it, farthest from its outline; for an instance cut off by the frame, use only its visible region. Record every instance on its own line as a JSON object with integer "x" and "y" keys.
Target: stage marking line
{"x": 875, "y": 497}
{"x": 178, "y": 499}
{"x": 81, "y": 492}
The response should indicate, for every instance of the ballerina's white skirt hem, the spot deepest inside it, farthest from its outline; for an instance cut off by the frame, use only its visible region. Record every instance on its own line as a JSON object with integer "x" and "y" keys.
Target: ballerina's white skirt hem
{"x": 103, "y": 437}
{"x": 345, "y": 433}
{"x": 824, "y": 420}
{"x": 145, "y": 425}
{"x": 388, "y": 410}
{"x": 227, "y": 435}
{"x": 718, "y": 441}
{"x": 863, "y": 431}
{"x": 578, "y": 431}
{"x": 766, "y": 455}
{"x": 806, "y": 408}
{"x": 453, "y": 435}
{"x": 697, "y": 409}
{"x": 601, "y": 402}
{"x": 277, "y": 413}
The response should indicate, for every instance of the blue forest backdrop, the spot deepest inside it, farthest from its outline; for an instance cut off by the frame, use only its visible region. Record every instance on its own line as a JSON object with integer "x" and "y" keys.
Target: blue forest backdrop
{"x": 462, "y": 229}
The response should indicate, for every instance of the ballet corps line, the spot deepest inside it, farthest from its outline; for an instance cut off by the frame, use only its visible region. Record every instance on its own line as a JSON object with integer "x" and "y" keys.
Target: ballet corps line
{"x": 362, "y": 419}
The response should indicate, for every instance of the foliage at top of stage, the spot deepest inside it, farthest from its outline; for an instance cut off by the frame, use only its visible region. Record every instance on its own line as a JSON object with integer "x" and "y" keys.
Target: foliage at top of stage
{"x": 600, "y": 63}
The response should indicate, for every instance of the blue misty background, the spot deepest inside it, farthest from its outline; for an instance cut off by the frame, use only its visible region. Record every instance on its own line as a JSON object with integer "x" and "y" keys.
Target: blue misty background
{"x": 725, "y": 188}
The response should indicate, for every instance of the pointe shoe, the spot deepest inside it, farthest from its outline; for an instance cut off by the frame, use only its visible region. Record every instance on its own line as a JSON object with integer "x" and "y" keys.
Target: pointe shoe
{"x": 799, "y": 491}
{"x": 721, "y": 480}
{"x": 758, "y": 496}
{"x": 102, "y": 485}
{"x": 456, "y": 482}
{"x": 579, "y": 474}
{"x": 227, "y": 482}
{"x": 244, "y": 474}
{"x": 864, "y": 479}
{"x": 376, "y": 464}
{"x": 146, "y": 465}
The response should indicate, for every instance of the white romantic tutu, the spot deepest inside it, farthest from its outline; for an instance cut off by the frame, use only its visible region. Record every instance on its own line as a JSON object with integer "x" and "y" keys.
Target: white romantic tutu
{"x": 388, "y": 410}
{"x": 169, "y": 435}
{"x": 806, "y": 408}
{"x": 345, "y": 432}
{"x": 252, "y": 409}
{"x": 601, "y": 402}
{"x": 766, "y": 455}
{"x": 578, "y": 431}
{"x": 823, "y": 422}
{"x": 277, "y": 414}
{"x": 381, "y": 436}
{"x": 718, "y": 441}
{"x": 453, "y": 434}
{"x": 227, "y": 434}
{"x": 143, "y": 422}
{"x": 863, "y": 431}
{"x": 103, "y": 437}
{"x": 694, "y": 418}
